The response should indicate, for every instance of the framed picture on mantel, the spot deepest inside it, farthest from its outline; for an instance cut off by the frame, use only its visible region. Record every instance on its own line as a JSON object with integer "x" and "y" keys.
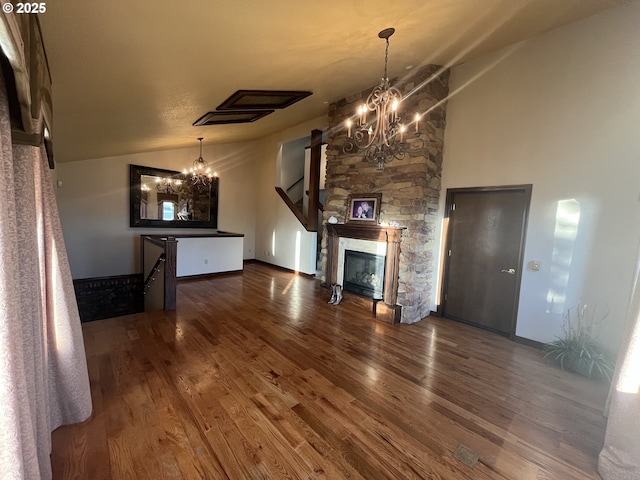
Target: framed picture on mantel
{"x": 364, "y": 208}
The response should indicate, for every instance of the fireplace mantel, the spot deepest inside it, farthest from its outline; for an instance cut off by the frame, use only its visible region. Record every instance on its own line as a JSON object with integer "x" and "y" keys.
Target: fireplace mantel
{"x": 387, "y": 309}
{"x": 375, "y": 233}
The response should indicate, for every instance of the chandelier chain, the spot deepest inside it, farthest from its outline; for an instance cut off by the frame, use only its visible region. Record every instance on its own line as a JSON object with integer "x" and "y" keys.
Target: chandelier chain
{"x": 386, "y": 57}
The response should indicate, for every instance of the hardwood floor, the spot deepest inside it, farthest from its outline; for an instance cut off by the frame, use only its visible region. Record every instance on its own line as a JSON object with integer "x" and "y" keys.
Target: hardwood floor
{"x": 256, "y": 376}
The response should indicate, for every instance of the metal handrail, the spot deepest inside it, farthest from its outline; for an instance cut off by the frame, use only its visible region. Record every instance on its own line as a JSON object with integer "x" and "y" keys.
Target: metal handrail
{"x": 151, "y": 277}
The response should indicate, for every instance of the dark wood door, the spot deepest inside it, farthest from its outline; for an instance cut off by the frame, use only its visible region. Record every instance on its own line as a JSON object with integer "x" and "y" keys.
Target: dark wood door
{"x": 483, "y": 258}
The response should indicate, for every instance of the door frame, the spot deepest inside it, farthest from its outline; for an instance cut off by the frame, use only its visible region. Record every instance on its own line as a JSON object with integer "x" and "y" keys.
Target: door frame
{"x": 527, "y": 189}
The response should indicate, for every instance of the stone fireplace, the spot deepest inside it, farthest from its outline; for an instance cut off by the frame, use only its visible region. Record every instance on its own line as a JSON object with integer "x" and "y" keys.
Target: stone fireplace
{"x": 410, "y": 190}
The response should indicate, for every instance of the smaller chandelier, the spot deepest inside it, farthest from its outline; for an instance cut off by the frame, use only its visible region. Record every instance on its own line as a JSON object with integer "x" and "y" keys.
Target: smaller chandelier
{"x": 386, "y": 137}
{"x": 166, "y": 185}
{"x": 200, "y": 174}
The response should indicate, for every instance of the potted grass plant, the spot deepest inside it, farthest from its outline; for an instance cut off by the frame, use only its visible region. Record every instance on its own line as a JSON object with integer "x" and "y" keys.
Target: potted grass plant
{"x": 578, "y": 350}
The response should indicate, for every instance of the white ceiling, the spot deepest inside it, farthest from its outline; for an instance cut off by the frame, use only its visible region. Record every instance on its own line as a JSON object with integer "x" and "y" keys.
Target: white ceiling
{"x": 133, "y": 75}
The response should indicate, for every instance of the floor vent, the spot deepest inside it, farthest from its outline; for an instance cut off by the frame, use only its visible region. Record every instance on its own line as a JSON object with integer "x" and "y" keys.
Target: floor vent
{"x": 466, "y": 455}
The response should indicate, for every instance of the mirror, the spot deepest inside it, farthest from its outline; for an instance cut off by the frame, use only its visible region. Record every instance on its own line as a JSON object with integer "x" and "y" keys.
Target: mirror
{"x": 167, "y": 199}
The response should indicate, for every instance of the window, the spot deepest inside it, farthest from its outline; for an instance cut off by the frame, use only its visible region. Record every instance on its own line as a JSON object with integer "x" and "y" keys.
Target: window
{"x": 168, "y": 210}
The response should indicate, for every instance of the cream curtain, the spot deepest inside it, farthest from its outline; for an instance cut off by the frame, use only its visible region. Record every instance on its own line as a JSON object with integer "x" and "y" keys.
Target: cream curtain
{"x": 620, "y": 456}
{"x": 43, "y": 371}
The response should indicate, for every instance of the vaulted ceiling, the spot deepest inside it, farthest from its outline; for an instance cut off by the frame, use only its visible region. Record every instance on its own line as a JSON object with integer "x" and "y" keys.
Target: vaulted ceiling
{"x": 133, "y": 75}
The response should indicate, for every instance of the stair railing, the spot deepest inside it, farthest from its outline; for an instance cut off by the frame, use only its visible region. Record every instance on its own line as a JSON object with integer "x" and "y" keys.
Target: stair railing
{"x": 152, "y": 274}
{"x": 160, "y": 286}
{"x": 309, "y": 221}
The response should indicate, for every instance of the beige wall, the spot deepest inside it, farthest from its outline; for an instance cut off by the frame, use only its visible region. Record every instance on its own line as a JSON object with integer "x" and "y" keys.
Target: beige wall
{"x": 94, "y": 204}
{"x": 560, "y": 111}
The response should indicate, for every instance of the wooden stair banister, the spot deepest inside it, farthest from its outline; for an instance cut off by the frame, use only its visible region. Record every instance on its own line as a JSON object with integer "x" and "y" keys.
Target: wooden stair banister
{"x": 292, "y": 206}
{"x": 310, "y": 221}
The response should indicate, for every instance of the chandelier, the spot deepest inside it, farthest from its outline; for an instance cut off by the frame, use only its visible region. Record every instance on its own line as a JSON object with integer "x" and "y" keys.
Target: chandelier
{"x": 200, "y": 174}
{"x": 166, "y": 185}
{"x": 386, "y": 136}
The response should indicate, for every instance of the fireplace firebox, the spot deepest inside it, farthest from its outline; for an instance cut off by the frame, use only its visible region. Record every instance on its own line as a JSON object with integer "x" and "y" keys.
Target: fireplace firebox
{"x": 364, "y": 274}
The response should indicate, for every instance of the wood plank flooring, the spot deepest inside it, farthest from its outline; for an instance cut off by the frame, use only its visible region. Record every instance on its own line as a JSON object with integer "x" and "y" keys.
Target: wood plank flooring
{"x": 256, "y": 376}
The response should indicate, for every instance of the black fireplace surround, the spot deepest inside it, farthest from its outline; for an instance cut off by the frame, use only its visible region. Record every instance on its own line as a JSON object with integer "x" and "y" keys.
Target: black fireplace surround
{"x": 364, "y": 274}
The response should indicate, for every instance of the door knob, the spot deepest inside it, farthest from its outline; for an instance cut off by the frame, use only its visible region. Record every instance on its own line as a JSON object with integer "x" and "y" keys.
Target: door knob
{"x": 511, "y": 271}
